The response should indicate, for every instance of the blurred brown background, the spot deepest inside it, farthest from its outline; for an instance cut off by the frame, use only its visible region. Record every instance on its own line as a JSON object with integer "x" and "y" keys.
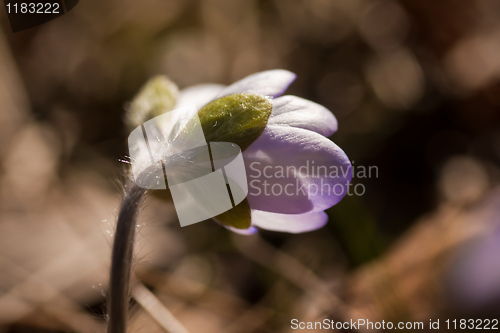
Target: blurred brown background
{"x": 414, "y": 85}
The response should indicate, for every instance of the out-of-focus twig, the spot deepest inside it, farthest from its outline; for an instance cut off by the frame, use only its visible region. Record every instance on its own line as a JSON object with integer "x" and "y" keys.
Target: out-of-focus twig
{"x": 156, "y": 310}
{"x": 58, "y": 305}
{"x": 404, "y": 281}
{"x": 256, "y": 249}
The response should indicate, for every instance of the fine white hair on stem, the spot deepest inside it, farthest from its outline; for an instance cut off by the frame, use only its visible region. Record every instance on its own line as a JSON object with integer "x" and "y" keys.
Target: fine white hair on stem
{"x": 121, "y": 266}
{"x": 121, "y": 258}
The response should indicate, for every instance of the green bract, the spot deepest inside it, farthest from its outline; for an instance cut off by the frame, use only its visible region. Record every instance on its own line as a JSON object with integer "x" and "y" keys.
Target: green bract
{"x": 238, "y": 118}
{"x": 156, "y": 97}
{"x": 237, "y": 217}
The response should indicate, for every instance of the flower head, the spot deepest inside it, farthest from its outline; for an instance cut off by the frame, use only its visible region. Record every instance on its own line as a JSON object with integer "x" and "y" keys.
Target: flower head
{"x": 294, "y": 172}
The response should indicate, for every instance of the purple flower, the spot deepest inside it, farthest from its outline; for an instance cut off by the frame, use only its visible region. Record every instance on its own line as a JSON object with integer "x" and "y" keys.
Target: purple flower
{"x": 294, "y": 171}
{"x": 474, "y": 278}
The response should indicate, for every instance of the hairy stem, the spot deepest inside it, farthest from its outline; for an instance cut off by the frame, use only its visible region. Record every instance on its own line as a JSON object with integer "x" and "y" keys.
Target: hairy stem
{"x": 121, "y": 258}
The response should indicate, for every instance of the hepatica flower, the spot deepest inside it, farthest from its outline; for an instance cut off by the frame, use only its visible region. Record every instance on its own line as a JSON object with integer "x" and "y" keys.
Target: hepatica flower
{"x": 294, "y": 172}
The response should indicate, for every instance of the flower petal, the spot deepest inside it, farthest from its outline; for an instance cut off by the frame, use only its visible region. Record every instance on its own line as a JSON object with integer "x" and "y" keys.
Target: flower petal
{"x": 247, "y": 232}
{"x": 298, "y": 112}
{"x": 294, "y": 171}
{"x": 198, "y": 95}
{"x": 172, "y": 122}
{"x": 269, "y": 83}
{"x": 293, "y": 223}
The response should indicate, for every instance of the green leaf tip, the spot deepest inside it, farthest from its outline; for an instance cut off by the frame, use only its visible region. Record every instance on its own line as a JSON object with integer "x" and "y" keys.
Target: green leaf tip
{"x": 156, "y": 97}
{"x": 238, "y": 118}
